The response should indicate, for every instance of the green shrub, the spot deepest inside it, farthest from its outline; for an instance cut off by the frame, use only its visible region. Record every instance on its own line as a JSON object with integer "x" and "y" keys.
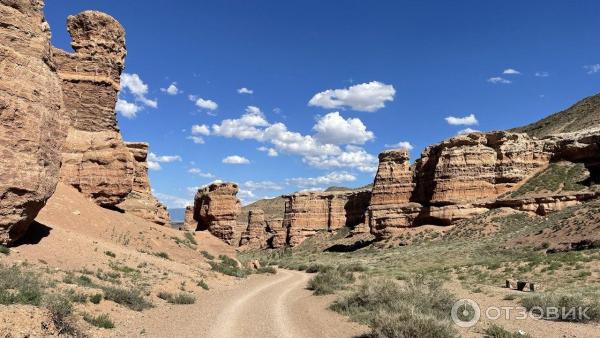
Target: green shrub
{"x": 353, "y": 267}
{"x": 497, "y": 331}
{"x": 207, "y": 255}
{"x": 19, "y": 287}
{"x": 328, "y": 281}
{"x": 180, "y": 298}
{"x": 77, "y": 297}
{"x": 162, "y": 254}
{"x": 60, "y": 309}
{"x": 203, "y": 284}
{"x": 96, "y": 299}
{"x": 410, "y": 324}
{"x": 102, "y": 321}
{"x": 110, "y": 254}
{"x": 4, "y": 250}
{"x": 266, "y": 269}
{"x": 315, "y": 267}
{"x": 191, "y": 238}
{"x": 131, "y": 298}
{"x": 228, "y": 266}
{"x": 540, "y": 304}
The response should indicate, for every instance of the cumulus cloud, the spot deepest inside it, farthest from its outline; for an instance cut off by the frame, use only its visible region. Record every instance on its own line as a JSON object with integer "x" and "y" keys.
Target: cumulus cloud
{"x": 314, "y": 150}
{"x": 334, "y": 129}
{"x": 200, "y": 129}
{"x": 196, "y": 139}
{"x": 498, "y": 79}
{"x": 335, "y": 177}
{"x": 468, "y": 120}
{"x": 541, "y": 74}
{"x": 171, "y": 89}
{"x": 134, "y": 84}
{"x": 245, "y": 90}
{"x": 200, "y": 173}
{"x": 172, "y": 201}
{"x": 203, "y": 103}
{"x": 401, "y": 145}
{"x": 366, "y": 97}
{"x": 271, "y": 152}
{"x": 591, "y": 69}
{"x": 236, "y": 159}
{"x": 261, "y": 185}
{"x": 127, "y": 109}
{"x": 511, "y": 71}
{"x": 154, "y": 160}
{"x": 467, "y": 131}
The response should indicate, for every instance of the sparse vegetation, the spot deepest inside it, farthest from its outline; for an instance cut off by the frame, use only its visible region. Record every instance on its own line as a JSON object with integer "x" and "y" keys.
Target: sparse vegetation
{"x": 328, "y": 281}
{"x": 203, "y": 284}
{"x": 102, "y": 321}
{"x": 228, "y": 266}
{"x": 18, "y": 286}
{"x": 560, "y": 176}
{"x": 131, "y": 298}
{"x": 570, "y": 307}
{"x": 4, "y": 250}
{"x": 207, "y": 255}
{"x": 110, "y": 254}
{"x": 497, "y": 331}
{"x": 96, "y": 298}
{"x": 61, "y": 310}
{"x": 162, "y": 254}
{"x": 179, "y": 298}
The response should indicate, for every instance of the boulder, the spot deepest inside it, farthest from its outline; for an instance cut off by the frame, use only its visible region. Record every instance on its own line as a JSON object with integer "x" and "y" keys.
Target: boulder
{"x": 140, "y": 201}
{"x": 95, "y": 159}
{"x": 216, "y": 208}
{"x": 32, "y": 117}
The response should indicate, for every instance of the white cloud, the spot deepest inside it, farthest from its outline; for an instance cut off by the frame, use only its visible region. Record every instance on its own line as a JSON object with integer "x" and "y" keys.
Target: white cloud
{"x": 325, "y": 180}
{"x": 172, "y": 201}
{"x": 198, "y": 172}
{"x": 542, "y": 74}
{"x": 261, "y": 185}
{"x": 401, "y": 145}
{"x": 236, "y": 159}
{"x": 171, "y": 89}
{"x": 127, "y": 109}
{"x": 367, "y": 97}
{"x": 511, "y": 71}
{"x": 334, "y": 129}
{"x": 467, "y": 131}
{"x": 245, "y": 90}
{"x": 591, "y": 69}
{"x": 246, "y": 127}
{"x": 200, "y": 129}
{"x": 468, "y": 120}
{"x": 196, "y": 139}
{"x": 155, "y": 160}
{"x": 137, "y": 88}
{"x": 253, "y": 110}
{"x": 202, "y": 103}
{"x": 270, "y": 151}
{"x": 498, "y": 79}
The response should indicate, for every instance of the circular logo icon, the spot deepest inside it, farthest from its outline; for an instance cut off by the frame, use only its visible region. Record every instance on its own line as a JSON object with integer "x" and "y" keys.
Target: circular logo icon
{"x": 465, "y": 312}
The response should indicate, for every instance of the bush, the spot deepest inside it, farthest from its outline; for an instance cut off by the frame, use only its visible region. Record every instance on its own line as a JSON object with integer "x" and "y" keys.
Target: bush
{"x": 60, "y": 309}
{"x": 180, "y": 298}
{"x": 102, "y": 321}
{"x": 266, "y": 269}
{"x": 207, "y": 255}
{"x": 4, "y": 250}
{"x": 353, "y": 267}
{"x": 96, "y": 299}
{"x": 19, "y": 287}
{"x": 540, "y": 304}
{"x": 228, "y": 266}
{"x": 315, "y": 267}
{"x": 412, "y": 309}
{"x": 191, "y": 238}
{"x": 203, "y": 284}
{"x": 110, "y": 254}
{"x": 329, "y": 281}
{"x": 497, "y": 331}
{"x": 162, "y": 254}
{"x": 130, "y": 298}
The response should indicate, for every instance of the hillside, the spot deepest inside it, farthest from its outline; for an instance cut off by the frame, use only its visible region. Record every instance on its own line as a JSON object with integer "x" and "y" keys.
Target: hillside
{"x": 273, "y": 208}
{"x": 583, "y": 114}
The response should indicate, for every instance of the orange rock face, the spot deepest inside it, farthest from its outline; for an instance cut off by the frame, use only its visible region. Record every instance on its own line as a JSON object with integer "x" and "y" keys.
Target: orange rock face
{"x": 216, "y": 209}
{"x": 95, "y": 158}
{"x": 32, "y": 117}
{"x": 140, "y": 200}
{"x": 309, "y": 212}
{"x": 255, "y": 236}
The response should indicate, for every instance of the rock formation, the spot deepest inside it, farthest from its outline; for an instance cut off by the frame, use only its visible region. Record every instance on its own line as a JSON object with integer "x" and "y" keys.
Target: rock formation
{"x": 279, "y": 233}
{"x": 140, "y": 201}
{"x": 309, "y": 212}
{"x": 32, "y": 117}
{"x": 255, "y": 235}
{"x": 216, "y": 208}
{"x": 189, "y": 224}
{"x": 95, "y": 159}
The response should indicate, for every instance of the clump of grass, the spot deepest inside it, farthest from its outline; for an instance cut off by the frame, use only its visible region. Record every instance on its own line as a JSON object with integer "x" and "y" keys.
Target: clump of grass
{"x": 497, "y": 331}
{"x": 190, "y": 238}
{"x": 543, "y": 305}
{"x": 102, "y": 321}
{"x": 131, "y": 298}
{"x": 96, "y": 298}
{"x": 61, "y": 310}
{"x": 328, "y": 281}
{"x": 77, "y": 297}
{"x": 203, "y": 284}
{"x": 228, "y": 266}
{"x": 416, "y": 308}
{"x": 162, "y": 254}
{"x": 207, "y": 255}
{"x": 4, "y": 250}
{"x": 266, "y": 269}
{"x": 110, "y": 254}
{"x": 20, "y": 287}
{"x": 180, "y": 298}
{"x": 316, "y": 267}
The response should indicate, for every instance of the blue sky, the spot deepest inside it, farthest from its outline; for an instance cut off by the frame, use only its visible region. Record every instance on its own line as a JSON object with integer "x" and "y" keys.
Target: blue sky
{"x": 330, "y": 84}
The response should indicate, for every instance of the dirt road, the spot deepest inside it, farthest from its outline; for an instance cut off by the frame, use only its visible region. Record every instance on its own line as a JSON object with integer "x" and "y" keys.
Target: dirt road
{"x": 260, "y": 306}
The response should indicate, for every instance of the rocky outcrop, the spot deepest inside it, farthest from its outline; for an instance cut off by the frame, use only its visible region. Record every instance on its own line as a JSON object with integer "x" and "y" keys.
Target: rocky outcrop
{"x": 32, "y": 116}
{"x": 279, "y": 233}
{"x": 95, "y": 159}
{"x": 140, "y": 201}
{"x": 309, "y": 212}
{"x": 216, "y": 208}
{"x": 255, "y": 235}
{"x": 189, "y": 224}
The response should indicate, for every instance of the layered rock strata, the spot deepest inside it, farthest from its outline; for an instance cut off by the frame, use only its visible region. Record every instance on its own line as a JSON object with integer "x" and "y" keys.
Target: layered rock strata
{"x": 95, "y": 158}
{"x": 216, "y": 208}
{"x": 140, "y": 201}
{"x": 32, "y": 117}
{"x": 255, "y": 236}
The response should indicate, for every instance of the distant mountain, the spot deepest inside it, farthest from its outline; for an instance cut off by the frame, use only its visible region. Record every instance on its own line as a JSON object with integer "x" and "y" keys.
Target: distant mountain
{"x": 273, "y": 208}
{"x": 583, "y": 114}
{"x": 177, "y": 214}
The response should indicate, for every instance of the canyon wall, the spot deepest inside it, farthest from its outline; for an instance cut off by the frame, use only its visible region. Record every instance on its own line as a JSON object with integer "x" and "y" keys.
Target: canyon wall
{"x": 32, "y": 117}
{"x": 95, "y": 159}
{"x": 140, "y": 201}
{"x": 216, "y": 208}
{"x": 255, "y": 236}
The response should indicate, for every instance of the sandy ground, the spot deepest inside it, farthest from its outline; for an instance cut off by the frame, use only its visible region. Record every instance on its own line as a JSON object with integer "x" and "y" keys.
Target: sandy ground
{"x": 260, "y": 306}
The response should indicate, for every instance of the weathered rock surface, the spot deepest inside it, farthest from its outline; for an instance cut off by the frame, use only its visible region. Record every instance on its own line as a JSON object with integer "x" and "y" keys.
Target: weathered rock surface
{"x": 32, "y": 117}
{"x": 95, "y": 158}
{"x": 255, "y": 235}
{"x": 309, "y": 212}
{"x": 189, "y": 224}
{"x": 279, "y": 233}
{"x": 216, "y": 209}
{"x": 140, "y": 201}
